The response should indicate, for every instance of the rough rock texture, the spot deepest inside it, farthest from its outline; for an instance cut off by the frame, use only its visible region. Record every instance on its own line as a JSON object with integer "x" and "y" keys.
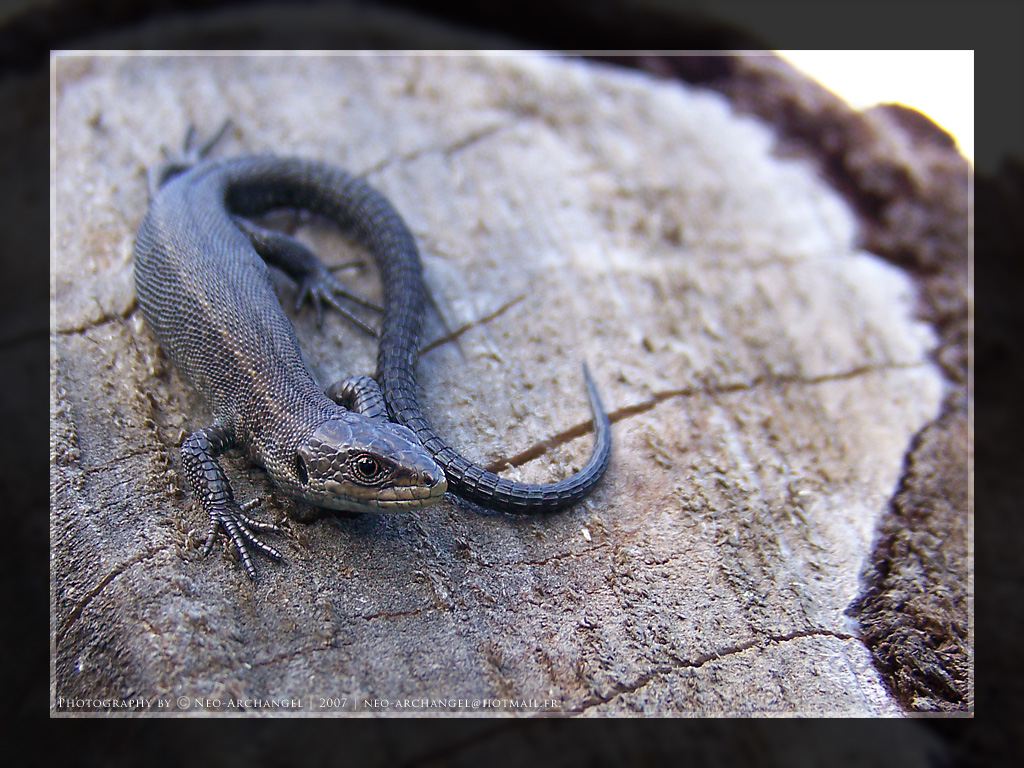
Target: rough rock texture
{"x": 913, "y": 197}
{"x": 765, "y": 376}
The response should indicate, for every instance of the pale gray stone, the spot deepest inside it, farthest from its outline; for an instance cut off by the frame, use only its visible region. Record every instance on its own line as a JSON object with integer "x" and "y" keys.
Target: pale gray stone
{"x": 765, "y": 378}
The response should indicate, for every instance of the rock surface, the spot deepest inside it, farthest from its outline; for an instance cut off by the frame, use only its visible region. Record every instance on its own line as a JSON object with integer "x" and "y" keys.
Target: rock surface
{"x": 765, "y": 379}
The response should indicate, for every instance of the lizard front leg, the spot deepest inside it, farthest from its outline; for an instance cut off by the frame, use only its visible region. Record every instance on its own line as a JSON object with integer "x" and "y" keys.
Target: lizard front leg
{"x": 210, "y": 487}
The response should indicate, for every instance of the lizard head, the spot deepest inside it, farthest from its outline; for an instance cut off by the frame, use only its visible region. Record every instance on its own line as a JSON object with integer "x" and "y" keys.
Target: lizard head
{"x": 355, "y": 463}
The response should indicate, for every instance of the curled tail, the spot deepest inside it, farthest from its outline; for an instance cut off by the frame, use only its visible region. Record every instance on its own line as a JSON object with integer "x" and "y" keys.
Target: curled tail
{"x": 354, "y": 204}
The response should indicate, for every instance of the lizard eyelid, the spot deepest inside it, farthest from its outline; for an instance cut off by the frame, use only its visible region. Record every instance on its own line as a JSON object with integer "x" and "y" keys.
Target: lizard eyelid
{"x": 368, "y": 467}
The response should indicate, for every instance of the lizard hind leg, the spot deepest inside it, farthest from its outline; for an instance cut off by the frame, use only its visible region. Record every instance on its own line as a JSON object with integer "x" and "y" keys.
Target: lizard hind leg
{"x": 189, "y": 154}
{"x": 315, "y": 281}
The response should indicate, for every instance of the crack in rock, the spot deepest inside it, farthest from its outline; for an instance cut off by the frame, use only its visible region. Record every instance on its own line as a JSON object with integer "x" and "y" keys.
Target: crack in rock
{"x": 620, "y": 688}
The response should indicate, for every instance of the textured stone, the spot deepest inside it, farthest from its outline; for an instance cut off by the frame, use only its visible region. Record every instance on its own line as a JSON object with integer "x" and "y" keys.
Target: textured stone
{"x": 765, "y": 376}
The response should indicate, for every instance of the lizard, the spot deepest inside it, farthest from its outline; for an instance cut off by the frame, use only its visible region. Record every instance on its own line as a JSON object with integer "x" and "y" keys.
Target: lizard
{"x": 364, "y": 445}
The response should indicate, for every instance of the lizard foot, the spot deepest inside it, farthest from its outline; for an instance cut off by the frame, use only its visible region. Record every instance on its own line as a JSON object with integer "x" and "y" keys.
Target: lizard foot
{"x": 190, "y": 154}
{"x": 324, "y": 287}
{"x": 241, "y": 530}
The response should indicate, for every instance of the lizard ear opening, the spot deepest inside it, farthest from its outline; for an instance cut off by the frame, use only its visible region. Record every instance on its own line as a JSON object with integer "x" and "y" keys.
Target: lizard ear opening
{"x": 300, "y": 469}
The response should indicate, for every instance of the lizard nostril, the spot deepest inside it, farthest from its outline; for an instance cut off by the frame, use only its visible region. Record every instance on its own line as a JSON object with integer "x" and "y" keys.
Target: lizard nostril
{"x": 300, "y": 469}
{"x": 435, "y": 477}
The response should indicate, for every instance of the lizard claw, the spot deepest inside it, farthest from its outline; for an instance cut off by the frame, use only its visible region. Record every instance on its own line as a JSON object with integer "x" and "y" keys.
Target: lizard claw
{"x": 240, "y": 529}
{"x": 188, "y": 156}
{"x": 323, "y": 287}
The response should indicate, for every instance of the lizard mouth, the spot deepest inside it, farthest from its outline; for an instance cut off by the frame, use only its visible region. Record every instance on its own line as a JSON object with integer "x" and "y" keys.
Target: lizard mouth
{"x": 397, "y": 499}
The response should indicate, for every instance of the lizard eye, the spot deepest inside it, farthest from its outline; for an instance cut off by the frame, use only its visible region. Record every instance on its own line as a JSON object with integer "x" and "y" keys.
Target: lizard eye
{"x": 368, "y": 467}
